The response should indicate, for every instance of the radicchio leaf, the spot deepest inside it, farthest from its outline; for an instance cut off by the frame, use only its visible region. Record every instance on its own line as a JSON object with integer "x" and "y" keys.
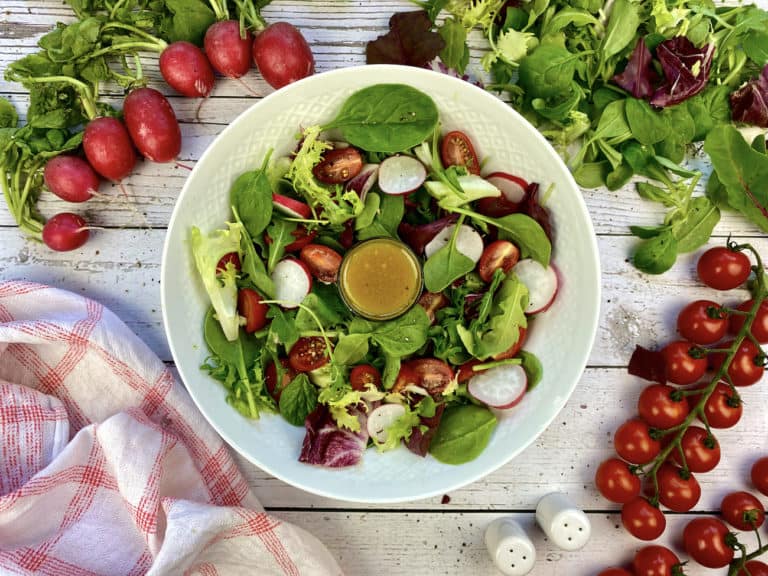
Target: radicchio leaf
{"x": 328, "y": 445}
{"x": 686, "y": 70}
{"x": 417, "y": 237}
{"x": 410, "y": 41}
{"x": 638, "y": 77}
{"x": 536, "y": 210}
{"x": 749, "y": 104}
{"x": 648, "y": 364}
{"x": 420, "y": 441}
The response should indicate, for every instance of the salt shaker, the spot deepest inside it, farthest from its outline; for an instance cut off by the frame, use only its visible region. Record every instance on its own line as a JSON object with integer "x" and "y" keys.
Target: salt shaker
{"x": 563, "y": 523}
{"x": 509, "y": 546}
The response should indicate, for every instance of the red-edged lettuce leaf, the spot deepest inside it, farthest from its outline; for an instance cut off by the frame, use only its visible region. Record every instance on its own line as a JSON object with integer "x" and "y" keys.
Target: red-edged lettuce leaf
{"x": 536, "y": 211}
{"x": 749, "y": 104}
{"x": 419, "y": 442}
{"x": 325, "y": 444}
{"x": 410, "y": 41}
{"x": 686, "y": 70}
{"x": 648, "y": 364}
{"x": 639, "y": 77}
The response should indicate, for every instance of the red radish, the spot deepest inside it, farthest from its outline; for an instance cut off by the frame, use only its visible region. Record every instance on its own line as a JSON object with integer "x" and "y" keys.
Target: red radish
{"x": 417, "y": 237}
{"x": 542, "y": 284}
{"x": 282, "y": 55}
{"x": 401, "y": 175}
{"x": 64, "y": 232}
{"x": 152, "y": 124}
{"x": 291, "y": 207}
{"x": 501, "y": 387}
{"x": 228, "y": 51}
{"x": 364, "y": 181}
{"x": 251, "y": 307}
{"x": 186, "y": 69}
{"x": 109, "y": 149}
{"x": 512, "y": 187}
{"x": 468, "y": 242}
{"x": 70, "y": 178}
{"x": 293, "y": 282}
{"x": 381, "y": 418}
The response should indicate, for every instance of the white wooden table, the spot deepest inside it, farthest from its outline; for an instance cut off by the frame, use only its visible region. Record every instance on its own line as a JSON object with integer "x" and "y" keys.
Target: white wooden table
{"x": 120, "y": 266}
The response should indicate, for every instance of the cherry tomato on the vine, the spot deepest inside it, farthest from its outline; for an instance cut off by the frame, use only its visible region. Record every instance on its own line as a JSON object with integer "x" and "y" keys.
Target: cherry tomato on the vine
{"x": 747, "y": 365}
{"x": 682, "y": 368}
{"x": 696, "y": 324}
{"x": 759, "y": 474}
{"x": 755, "y": 567}
{"x": 643, "y": 520}
{"x": 658, "y": 408}
{"x": 679, "y": 491}
{"x": 723, "y": 269}
{"x": 616, "y": 482}
{"x": 759, "y": 328}
{"x": 705, "y": 541}
{"x": 702, "y": 451}
{"x": 634, "y": 443}
{"x": 723, "y": 408}
{"x": 742, "y": 511}
{"x": 615, "y": 572}
{"x": 457, "y": 150}
{"x": 654, "y": 561}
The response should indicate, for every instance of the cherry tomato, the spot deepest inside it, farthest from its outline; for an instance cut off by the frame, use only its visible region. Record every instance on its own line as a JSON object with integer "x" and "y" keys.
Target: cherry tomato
{"x": 682, "y": 368}
{"x": 363, "y": 375}
{"x": 270, "y": 378}
{"x": 696, "y": 324}
{"x": 323, "y": 262}
{"x": 457, "y": 150}
{"x": 742, "y": 511}
{"x": 654, "y": 561}
{"x": 250, "y": 306}
{"x": 723, "y": 269}
{"x": 500, "y": 254}
{"x": 339, "y": 165}
{"x": 746, "y": 367}
{"x": 759, "y": 474}
{"x": 615, "y": 572}
{"x": 633, "y": 442}
{"x": 229, "y": 258}
{"x": 702, "y": 453}
{"x": 429, "y": 373}
{"x": 303, "y": 237}
{"x": 513, "y": 350}
{"x": 676, "y": 491}
{"x": 616, "y": 482}
{"x": 723, "y": 408}
{"x": 309, "y": 353}
{"x": 466, "y": 371}
{"x": 657, "y": 407}
{"x": 643, "y": 520}
{"x": 759, "y": 328}
{"x": 755, "y": 567}
{"x": 704, "y": 541}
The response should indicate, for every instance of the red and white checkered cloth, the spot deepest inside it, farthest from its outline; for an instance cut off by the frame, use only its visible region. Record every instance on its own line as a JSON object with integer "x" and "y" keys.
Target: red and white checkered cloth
{"x": 107, "y": 467}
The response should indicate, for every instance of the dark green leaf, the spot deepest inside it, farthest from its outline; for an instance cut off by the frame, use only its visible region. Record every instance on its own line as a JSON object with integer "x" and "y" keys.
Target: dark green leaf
{"x": 533, "y": 368}
{"x": 188, "y": 20}
{"x": 8, "y": 116}
{"x": 547, "y": 71}
{"x": 298, "y": 400}
{"x": 694, "y": 230}
{"x": 351, "y": 348}
{"x": 622, "y": 28}
{"x": 456, "y": 52}
{"x": 404, "y": 335}
{"x": 527, "y": 234}
{"x": 648, "y": 126}
{"x": 280, "y": 234}
{"x": 656, "y": 255}
{"x": 444, "y": 267}
{"x": 646, "y": 232}
{"x": 463, "y": 434}
{"x": 251, "y": 196}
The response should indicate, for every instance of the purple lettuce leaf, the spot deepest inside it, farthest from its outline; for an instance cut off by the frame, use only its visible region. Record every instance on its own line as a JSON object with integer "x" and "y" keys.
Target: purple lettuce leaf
{"x": 420, "y": 441}
{"x": 749, "y": 104}
{"x": 325, "y": 444}
{"x": 639, "y": 77}
{"x": 410, "y": 41}
{"x": 686, "y": 70}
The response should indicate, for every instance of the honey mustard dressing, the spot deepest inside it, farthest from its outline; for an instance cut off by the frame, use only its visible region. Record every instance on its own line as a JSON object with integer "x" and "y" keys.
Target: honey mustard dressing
{"x": 380, "y": 278}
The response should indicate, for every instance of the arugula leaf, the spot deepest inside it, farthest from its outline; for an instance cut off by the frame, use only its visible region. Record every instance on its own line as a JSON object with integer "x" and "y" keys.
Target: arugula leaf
{"x": 280, "y": 235}
{"x": 298, "y": 400}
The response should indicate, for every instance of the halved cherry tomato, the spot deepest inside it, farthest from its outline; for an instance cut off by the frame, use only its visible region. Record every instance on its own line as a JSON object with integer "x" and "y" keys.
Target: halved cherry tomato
{"x": 323, "y": 262}
{"x": 616, "y": 482}
{"x": 229, "y": 258}
{"x": 309, "y": 353}
{"x": 759, "y": 328}
{"x": 723, "y": 408}
{"x": 465, "y": 372}
{"x": 695, "y": 323}
{"x": 500, "y": 254}
{"x": 514, "y": 350}
{"x": 658, "y": 408}
{"x": 723, "y": 269}
{"x": 457, "y": 150}
{"x": 363, "y": 375}
{"x": 682, "y": 368}
{"x": 746, "y": 367}
{"x": 270, "y": 378}
{"x": 643, "y": 520}
{"x": 654, "y": 560}
{"x": 702, "y": 451}
{"x": 679, "y": 491}
{"x": 250, "y": 306}
{"x": 704, "y": 540}
{"x": 339, "y": 165}
{"x": 405, "y": 377}
{"x": 759, "y": 474}
{"x": 429, "y": 373}
{"x": 633, "y": 442}
{"x": 303, "y": 237}
{"x": 743, "y": 511}
{"x": 432, "y": 302}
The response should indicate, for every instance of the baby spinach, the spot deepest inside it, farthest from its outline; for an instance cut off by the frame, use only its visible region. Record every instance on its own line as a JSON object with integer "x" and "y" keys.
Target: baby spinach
{"x": 315, "y": 307}
{"x": 386, "y": 118}
{"x": 252, "y": 265}
{"x": 386, "y": 220}
{"x": 447, "y": 264}
{"x": 251, "y": 196}
{"x": 298, "y": 400}
{"x": 547, "y": 71}
{"x": 533, "y": 368}
{"x": 351, "y": 348}
{"x": 401, "y": 336}
{"x": 463, "y": 434}
{"x": 657, "y": 254}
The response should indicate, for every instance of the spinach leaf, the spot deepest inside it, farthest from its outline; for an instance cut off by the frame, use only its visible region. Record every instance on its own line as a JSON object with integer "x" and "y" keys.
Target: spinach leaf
{"x": 280, "y": 234}
{"x": 527, "y": 234}
{"x": 463, "y": 434}
{"x": 252, "y": 264}
{"x": 621, "y": 30}
{"x": 694, "y": 230}
{"x": 387, "y": 220}
{"x": 533, "y": 368}
{"x": 656, "y": 255}
{"x": 325, "y": 313}
{"x": 298, "y": 400}
{"x": 447, "y": 264}
{"x": 282, "y": 328}
{"x": 243, "y": 351}
{"x": 351, "y": 349}
{"x": 386, "y": 118}
{"x": 251, "y": 196}
{"x": 404, "y": 335}
{"x": 370, "y": 210}
{"x": 648, "y": 126}
{"x": 391, "y": 370}
{"x": 613, "y": 125}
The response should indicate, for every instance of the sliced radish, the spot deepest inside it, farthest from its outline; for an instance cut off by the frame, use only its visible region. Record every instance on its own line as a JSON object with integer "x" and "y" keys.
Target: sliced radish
{"x": 382, "y": 418}
{"x": 293, "y": 281}
{"x": 401, "y": 174}
{"x": 291, "y": 207}
{"x": 417, "y": 237}
{"x": 541, "y": 282}
{"x": 501, "y": 387}
{"x": 364, "y": 181}
{"x": 468, "y": 242}
{"x": 512, "y": 187}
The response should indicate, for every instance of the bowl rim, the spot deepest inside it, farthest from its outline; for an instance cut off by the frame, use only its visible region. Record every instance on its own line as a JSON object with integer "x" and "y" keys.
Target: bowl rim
{"x": 461, "y": 481}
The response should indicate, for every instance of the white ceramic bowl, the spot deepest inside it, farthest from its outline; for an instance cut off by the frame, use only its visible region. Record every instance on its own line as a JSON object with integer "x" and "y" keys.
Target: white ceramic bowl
{"x": 562, "y": 337}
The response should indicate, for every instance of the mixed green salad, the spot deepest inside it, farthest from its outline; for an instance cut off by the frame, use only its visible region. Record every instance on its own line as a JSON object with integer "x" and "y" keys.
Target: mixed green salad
{"x": 282, "y": 338}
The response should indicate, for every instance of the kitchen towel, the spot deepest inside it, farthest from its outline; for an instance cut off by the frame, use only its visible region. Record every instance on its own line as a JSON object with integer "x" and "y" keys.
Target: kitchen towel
{"x": 107, "y": 466}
